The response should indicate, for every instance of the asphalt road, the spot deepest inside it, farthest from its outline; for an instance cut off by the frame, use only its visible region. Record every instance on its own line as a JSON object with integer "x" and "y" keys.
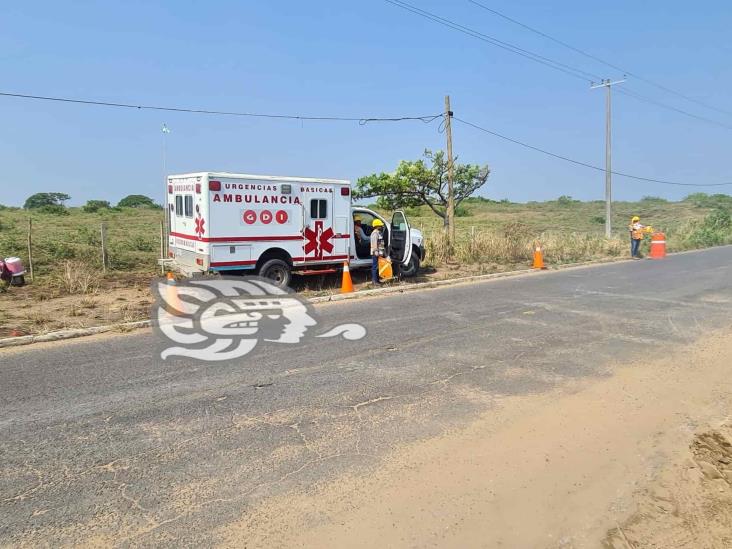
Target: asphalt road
{"x": 101, "y": 441}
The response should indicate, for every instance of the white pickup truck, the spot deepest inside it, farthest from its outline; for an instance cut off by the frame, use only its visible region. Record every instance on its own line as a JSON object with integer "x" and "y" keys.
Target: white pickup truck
{"x": 275, "y": 226}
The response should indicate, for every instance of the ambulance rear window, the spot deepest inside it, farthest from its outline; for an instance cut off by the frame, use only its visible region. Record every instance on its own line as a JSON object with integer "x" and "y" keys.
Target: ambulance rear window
{"x": 189, "y": 205}
{"x": 318, "y": 209}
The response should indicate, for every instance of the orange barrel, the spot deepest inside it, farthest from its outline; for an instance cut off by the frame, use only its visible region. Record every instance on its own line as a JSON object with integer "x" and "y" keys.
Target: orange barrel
{"x": 658, "y": 246}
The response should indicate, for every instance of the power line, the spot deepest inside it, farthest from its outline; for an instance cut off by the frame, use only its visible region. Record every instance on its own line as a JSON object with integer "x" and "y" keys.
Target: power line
{"x": 551, "y": 63}
{"x": 585, "y": 164}
{"x": 639, "y": 97}
{"x": 362, "y": 120}
{"x": 600, "y": 60}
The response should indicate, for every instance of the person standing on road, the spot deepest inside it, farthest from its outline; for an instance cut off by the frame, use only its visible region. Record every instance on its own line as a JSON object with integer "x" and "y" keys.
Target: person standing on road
{"x": 377, "y": 249}
{"x": 637, "y": 231}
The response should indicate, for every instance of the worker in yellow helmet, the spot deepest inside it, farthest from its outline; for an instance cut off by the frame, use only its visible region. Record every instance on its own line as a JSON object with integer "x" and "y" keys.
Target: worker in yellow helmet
{"x": 377, "y": 249}
{"x": 637, "y": 231}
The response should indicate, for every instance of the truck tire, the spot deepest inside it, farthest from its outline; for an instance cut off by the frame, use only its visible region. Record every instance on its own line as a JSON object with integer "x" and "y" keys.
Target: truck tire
{"x": 278, "y": 271}
{"x": 412, "y": 268}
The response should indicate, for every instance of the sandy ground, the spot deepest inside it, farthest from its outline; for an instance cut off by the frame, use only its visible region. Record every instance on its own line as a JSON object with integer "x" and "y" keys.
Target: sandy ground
{"x": 638, "y": 459}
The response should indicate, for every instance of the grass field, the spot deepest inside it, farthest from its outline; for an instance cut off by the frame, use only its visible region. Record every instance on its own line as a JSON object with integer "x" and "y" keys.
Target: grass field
{"x": 70, "y": 290}
{"x": 569, "y": 230}
{"x": 487, "y": 232}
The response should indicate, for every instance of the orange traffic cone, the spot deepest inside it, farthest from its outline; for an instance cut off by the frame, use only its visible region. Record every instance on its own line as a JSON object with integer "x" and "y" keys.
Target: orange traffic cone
{"x": 539, "y": 259}
{"x": 347, "y": 283}
{"x": 172, "y": 294}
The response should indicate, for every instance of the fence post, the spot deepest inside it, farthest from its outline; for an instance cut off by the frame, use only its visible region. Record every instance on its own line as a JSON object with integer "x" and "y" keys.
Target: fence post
{"x": 105, "y": 260}
{"x": 162, "y": 246}
{"x": 30, "y": 248}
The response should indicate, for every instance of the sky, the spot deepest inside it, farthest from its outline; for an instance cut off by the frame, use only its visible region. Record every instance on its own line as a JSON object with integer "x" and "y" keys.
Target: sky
{"x": 358, "y": 59}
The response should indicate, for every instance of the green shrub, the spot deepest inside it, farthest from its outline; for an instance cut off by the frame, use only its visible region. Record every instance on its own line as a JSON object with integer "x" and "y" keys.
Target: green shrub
{"x": 714, "y": 230}
{"x": 88, "y": 236}
{"x": 55, "y": 250}
{"x": 719, "y": 220}
{"x": 52, "y": 209}
{"x": 599, "y": 219}
{"x": 462, "y": 211}
{"x": 137, "y": 201}
{"x": 704, "y": 200}
{"x": 143, "y": 244}
{"x": 565, "y": 200}
{"x": 93, "y": 206}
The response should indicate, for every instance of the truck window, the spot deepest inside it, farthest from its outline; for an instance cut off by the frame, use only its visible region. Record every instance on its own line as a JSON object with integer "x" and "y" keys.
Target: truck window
{"x": 318, "y": 208}
{"x": 189, "y": 205}
{"x": 178, "y": 205}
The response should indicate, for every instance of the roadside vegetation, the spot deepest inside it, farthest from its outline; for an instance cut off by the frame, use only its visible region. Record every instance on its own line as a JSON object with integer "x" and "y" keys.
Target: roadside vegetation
{"x": 500, "y": 232}
{"x": 72, "y": 290}
{"x": 487, "y": 231}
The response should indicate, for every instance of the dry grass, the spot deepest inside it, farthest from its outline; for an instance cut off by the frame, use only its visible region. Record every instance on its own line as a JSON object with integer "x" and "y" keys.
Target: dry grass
{"x": 76, "y": 277}
{"x": 516, "y": 247}
{"x": 505, "y": 234}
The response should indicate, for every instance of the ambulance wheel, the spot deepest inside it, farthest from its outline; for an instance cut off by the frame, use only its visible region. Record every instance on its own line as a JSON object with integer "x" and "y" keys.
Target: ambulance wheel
{"x": 412, "y": 268}
{"x": 18, "y": 280}
{"x": 276, "y": 270}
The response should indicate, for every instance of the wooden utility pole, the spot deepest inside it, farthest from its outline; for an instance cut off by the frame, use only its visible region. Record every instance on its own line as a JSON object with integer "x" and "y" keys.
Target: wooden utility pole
{"x": 30, "y": 248}
{"x": 607, "y": 84}
{"x": 450, "y": 191}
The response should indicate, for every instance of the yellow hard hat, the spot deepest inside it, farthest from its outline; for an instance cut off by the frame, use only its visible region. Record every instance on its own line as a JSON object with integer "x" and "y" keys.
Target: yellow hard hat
{"x": 635, "y": 218}
{"x": 377, "y": 223}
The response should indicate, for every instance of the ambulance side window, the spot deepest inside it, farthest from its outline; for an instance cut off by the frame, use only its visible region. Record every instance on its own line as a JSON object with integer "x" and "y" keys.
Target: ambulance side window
{"x": 178, "y": 205}
{"x": 189, "y": 205}
{"x": 318, "y": 209}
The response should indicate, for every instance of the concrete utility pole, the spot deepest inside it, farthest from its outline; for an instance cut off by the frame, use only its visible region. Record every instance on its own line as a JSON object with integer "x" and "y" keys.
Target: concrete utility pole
{"x": 450, "y": 191}
{"x": 607, "y": 84}
{"x": 166, "y": 209}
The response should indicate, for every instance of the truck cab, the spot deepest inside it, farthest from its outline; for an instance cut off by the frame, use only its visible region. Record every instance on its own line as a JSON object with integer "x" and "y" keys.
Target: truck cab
{"x": 405, "y": 243}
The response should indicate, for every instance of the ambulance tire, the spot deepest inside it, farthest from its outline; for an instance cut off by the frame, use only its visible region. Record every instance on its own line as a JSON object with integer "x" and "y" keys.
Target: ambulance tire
{"x": 412, "y": 268}
{"x": 278, "y": 271}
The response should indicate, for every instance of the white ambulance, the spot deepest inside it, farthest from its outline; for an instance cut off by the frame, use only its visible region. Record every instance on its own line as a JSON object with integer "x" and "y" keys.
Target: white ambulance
{"x": 274, "y": 226}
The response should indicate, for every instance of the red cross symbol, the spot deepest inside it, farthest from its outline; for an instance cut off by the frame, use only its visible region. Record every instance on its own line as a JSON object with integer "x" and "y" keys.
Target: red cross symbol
{"x": 200, "y": 223}
{"x": 318, "y": 240}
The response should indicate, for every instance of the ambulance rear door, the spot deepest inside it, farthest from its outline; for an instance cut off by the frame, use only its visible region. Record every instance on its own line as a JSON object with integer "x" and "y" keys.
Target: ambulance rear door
{"x": 318, "y": 223}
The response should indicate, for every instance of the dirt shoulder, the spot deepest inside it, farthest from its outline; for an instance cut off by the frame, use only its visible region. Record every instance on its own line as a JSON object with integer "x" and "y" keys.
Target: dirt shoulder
{"x": 126, "y": 297}
{"x": 41, "y": 308}
{"x": 637, "y": 459}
